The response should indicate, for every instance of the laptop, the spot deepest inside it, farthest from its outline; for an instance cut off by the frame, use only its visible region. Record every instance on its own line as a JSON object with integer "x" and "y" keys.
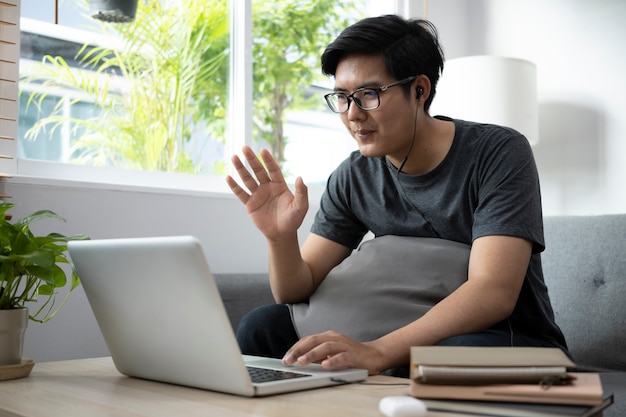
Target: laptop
{"x": 161, "y": 315}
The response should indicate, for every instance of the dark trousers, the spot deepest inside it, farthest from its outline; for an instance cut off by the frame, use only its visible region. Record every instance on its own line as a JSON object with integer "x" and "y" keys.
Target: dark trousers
{"x": 268, "y": 331}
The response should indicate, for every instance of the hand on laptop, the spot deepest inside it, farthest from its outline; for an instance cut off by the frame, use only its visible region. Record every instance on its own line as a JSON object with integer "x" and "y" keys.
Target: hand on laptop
{"x": 335, "y": 351}
{"x": 273, "y": 208}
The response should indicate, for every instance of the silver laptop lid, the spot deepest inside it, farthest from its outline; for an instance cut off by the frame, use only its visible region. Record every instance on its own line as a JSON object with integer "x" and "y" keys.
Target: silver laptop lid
{"x": 162, "y": 317}
{"x": 160, "y": 312}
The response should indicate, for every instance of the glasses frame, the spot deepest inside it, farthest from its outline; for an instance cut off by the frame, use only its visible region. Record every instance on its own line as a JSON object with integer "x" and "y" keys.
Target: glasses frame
{"x": 350, "y": 97}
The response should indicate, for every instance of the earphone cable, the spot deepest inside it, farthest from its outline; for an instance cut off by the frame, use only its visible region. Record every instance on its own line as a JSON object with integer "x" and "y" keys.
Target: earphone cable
{"x": 406, "y": 195}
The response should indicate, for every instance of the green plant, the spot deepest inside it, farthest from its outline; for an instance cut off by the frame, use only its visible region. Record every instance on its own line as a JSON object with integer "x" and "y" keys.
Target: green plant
{"x": 173, "y": 60}
{"x": 30, "y": 265}
{"x": 288, "y": 39}
{"x": 159, "y": 78}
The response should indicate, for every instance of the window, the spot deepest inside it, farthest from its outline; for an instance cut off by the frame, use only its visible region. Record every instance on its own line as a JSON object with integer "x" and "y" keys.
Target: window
{"x": 317, "y": 140}
{"x": 154, "y": 87}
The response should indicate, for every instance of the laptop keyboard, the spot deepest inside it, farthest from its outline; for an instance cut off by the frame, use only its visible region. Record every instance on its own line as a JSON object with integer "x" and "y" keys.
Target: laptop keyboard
{"x": 267, "y": 375}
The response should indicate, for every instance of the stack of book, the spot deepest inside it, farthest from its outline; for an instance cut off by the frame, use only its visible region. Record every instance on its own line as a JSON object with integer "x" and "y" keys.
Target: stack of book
{"x": 504, "y": 381}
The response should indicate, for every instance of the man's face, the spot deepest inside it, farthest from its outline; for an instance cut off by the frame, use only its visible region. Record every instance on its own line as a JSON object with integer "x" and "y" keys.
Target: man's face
{"x": 387, "y": 130}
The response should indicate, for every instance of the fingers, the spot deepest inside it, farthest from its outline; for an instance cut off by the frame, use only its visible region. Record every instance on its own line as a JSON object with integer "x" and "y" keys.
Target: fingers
{"x": 301, "y": 197}
{"x": 273, "y": 169}
{"x": 248, "y": 180}
{"x": 262, "y": 173}
{"x": 241, "y": 194}
{"x": 330, "y": 349}
{"x": 336, "y": 351}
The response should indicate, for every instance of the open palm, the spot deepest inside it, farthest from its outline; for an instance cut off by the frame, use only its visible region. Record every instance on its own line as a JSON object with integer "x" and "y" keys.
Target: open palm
{"x": 273, "y": 208}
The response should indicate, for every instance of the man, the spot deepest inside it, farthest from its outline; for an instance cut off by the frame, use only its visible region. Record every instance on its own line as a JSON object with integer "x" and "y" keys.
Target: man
{"x": 413, "y": 175}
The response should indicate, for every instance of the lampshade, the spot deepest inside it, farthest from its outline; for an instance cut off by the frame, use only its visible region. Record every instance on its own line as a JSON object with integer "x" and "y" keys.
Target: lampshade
{"x": 490, "y": 89}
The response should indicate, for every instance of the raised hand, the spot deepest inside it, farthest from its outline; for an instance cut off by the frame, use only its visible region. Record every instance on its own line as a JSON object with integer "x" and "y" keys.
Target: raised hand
{"x": 273, "y": 208}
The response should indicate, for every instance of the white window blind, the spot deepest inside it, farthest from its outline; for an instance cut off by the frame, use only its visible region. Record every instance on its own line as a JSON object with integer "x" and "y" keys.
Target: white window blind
{"x": 9, "y": 75}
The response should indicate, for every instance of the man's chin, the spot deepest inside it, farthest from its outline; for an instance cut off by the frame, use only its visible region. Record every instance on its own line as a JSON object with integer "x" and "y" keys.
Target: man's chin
{"x": 370, "y": 151}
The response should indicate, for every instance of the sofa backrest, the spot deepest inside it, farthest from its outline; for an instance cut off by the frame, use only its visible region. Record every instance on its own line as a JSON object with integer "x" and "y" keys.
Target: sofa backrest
{"x": 242, "y": 292}
{"x": 584, "y": 268}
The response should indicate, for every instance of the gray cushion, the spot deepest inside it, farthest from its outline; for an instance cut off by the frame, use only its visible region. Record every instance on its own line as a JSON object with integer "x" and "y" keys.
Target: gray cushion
{"x": 389, "y": 282}
{"x": 584, "y": 268}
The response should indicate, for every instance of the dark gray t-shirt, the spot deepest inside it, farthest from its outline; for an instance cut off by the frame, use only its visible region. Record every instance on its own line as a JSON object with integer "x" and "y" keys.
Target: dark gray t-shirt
{"x": 486, "y": 185}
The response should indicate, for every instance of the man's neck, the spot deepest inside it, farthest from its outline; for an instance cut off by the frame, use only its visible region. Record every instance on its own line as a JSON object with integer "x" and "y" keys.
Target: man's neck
{"x": 432, "y": 142}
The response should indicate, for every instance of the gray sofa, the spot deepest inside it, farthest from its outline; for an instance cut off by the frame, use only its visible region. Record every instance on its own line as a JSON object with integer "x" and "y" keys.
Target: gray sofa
{"x": 585, "y": 271}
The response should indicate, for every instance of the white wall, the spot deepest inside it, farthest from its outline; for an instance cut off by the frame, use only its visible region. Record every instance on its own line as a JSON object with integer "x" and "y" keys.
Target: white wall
{"x": 581, "y": 154}
{"x": 581, "y": 62}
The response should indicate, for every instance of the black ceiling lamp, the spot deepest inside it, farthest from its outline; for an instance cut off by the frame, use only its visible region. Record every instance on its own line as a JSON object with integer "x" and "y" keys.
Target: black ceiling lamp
{"x": 115, "y": 11}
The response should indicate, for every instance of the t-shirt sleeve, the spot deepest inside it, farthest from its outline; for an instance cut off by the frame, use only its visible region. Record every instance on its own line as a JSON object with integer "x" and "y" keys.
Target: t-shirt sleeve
{"x": 509, "y": 198}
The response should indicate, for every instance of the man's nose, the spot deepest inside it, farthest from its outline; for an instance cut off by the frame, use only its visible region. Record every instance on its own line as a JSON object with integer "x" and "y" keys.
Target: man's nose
{"x": 355, "y": 112}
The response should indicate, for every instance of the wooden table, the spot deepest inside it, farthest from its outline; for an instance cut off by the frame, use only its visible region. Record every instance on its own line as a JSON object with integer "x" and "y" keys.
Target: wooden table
{"x": 93, "y": 387}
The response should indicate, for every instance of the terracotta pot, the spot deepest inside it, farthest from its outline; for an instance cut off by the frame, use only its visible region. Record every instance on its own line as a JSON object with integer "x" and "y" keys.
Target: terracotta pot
{"x": 12, "y": 327}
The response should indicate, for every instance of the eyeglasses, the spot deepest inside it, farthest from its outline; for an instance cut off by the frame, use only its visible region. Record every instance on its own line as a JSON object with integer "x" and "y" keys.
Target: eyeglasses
{"x": 367, "y": 98}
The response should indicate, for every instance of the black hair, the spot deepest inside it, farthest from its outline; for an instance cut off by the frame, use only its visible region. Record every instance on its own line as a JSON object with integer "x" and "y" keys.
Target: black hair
{"x": 409, "y": 47}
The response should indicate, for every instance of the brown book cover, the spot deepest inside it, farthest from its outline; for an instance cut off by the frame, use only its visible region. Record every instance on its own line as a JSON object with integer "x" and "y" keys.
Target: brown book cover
{"x": 585, "y": 389}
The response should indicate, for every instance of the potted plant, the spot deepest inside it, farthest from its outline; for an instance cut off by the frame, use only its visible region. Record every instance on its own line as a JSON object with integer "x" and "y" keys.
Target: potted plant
{"x": 30, "y": 271}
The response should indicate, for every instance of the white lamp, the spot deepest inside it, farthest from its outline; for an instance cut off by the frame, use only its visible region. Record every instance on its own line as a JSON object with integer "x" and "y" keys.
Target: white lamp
{"x": 490, "y": 89}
